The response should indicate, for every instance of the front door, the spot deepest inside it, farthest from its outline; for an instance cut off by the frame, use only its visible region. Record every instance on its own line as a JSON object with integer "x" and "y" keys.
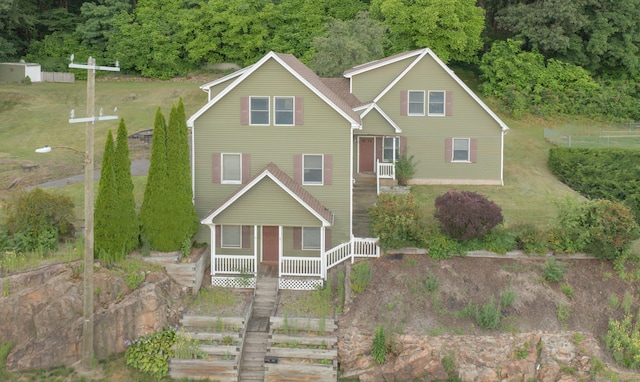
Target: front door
{"x": 366, "y": 157}
{"x": 270, "y": 244}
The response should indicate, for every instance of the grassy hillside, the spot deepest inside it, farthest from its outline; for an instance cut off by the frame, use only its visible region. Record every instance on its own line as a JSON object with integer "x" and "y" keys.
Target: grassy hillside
{"x": 37, "y": 115}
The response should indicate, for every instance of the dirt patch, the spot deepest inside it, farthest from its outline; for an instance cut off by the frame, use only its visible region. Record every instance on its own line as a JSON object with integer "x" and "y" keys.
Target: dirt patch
{"x": 402, "y": 297}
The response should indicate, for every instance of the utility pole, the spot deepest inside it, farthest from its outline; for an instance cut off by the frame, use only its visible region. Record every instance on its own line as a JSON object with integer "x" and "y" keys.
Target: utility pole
{"x": 87, "y": 322}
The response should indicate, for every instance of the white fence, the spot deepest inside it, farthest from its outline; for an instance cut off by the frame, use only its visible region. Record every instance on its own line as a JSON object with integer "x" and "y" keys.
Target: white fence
{"x": 231, "y": 264}
{"x": 300, "y": 266}
{"x": 384, "y": 171}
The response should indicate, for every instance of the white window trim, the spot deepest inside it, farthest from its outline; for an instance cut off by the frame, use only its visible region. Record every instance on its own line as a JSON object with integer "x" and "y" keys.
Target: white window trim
{"x": 453, "y": 150}
{"x": 268, "y": 111}
{"x": 396, "y": 150}
{"x": 424, "y": 103}
{"x": 321, "y": 170}
{"x": 444, "y": 103}
{"x": 222, "y": 180}
{"x": 319, "y": 242}
{"x": 293, "y": 111}
{"x": 233, "y": 245}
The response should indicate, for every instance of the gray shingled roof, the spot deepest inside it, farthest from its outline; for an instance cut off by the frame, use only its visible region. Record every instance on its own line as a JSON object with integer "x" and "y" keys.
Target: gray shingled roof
{"x": 318, "y": 83}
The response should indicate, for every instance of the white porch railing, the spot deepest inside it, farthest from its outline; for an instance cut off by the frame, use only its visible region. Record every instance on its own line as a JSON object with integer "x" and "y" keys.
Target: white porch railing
{"x": 384, "y": 171}
{"x": 300, "y": 266}
{"x": 233, "y": 264}
{"x": 357, "y": 247}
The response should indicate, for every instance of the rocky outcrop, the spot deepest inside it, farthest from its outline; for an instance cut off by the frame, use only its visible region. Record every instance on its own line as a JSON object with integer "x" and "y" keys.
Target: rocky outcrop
{"x": 539, "y": 356}
{"x": 42, "y": 309}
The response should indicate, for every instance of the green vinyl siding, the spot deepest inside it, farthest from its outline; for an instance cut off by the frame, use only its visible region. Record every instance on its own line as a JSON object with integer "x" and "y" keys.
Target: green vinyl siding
{"x": 267, "y": 204}
{"x": 367, "y": 85}
{"x": 426, "y": 134}
{"x": 374, "y": 124}
{"x": 325, "y": 131}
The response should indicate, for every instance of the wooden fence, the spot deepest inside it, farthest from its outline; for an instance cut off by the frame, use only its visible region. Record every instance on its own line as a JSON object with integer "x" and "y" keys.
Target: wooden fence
{"x": 58, "y": 77}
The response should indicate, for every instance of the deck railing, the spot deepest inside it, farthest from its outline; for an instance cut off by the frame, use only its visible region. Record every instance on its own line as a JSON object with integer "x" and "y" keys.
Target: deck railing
{"x": 232, "y": 264}
{"x": 357, "y": 247}
{"x": 384, "y": 171}
{"x": 300, "y": 266}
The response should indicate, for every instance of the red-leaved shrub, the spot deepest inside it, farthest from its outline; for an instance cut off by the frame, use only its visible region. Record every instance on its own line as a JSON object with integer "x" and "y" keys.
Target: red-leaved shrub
{"x": 466, "y": 215}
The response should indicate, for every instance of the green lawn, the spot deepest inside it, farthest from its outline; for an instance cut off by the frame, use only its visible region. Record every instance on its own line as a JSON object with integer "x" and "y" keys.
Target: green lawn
{"x": 529, "y": 187}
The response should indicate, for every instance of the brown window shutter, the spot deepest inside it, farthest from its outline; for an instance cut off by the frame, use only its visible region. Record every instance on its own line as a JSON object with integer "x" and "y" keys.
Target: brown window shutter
{"x": 448, "y": 149}
{"x": 473, "y": 150}
{"x": 246, "y": 236}
{"x": 244, "y": 110}
{"x": 404, "y": 103}
{"x": 218, "y": 236}
{"x": 299, "y": 115}
{"x": 328, "y": 169}
{"x": 246, "y": 167}
{"x": 297, "y": 168}
{"x": 297, "y": 237}
{"x": 448, "y": 107}
{"x": 403, "y": 146}
{"x": 215, "y": 167}
{"x": 327, "y": 239}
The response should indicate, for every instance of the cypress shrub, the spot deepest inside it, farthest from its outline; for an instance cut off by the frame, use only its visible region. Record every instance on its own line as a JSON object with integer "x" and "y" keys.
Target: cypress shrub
{"x": 107, "y": 241}
{"x": 128, "y": 219}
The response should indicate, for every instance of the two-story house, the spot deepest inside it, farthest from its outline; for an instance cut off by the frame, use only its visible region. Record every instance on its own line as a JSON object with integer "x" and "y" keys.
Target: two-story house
{"x": 276, "y": 150}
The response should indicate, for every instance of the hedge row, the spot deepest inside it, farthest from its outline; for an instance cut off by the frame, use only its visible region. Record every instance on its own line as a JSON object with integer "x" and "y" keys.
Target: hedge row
{"x": 612, "y": 174}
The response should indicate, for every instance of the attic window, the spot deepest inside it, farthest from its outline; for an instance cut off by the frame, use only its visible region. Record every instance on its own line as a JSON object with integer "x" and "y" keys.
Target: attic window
{"x": 283, "y": 109}
{"x": 259, "y": 110}
{"x": 436, "y": 103}
{"x": 416, "y": 102}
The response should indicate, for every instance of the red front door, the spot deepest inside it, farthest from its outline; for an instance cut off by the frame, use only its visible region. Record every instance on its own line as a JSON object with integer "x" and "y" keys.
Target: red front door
{"x": 270, "y": 244}
{"x": 366, "y": 150}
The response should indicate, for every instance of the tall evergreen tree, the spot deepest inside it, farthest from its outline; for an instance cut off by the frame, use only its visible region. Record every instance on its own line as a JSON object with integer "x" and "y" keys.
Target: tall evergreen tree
{"x": 184, "y": 220}
{"x": 105, "y": 215}
{"x": 128, "y": 219}
{"x": 153, "y": 214}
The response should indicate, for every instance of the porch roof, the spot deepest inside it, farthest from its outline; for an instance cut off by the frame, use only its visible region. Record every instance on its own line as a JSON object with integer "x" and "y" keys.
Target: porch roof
{"x": 288, "y": 185}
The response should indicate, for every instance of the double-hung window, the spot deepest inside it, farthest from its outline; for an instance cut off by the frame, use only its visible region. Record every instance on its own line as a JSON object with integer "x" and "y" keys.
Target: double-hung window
{"x": 312, "y": 169}
{"x": 283, "y": 110}
{"x": 461, "y": 150}
{"x": 232, "y": 168}
{"x": 436, "y": 103}
{"x": 416, "y": 102}
{"x": 390, "y": 149}
{"x": 259, "y": 110}
{"x": 231, "y": 236}
{"x": 311, "y": 237}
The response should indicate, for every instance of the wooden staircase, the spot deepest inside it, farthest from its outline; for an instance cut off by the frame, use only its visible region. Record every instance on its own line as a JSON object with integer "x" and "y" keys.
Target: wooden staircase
{"x": 257, "y": 334}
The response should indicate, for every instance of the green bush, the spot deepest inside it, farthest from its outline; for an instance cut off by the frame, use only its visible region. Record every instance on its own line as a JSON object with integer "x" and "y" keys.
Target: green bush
{"x": 396, "y": 220}
{"x": 441, "y": 246}
{"x": 554, "y": 270}
{"x": 465, "y": 215}
{"x": 405, "y": 169}
{"x": 37, "y": 219}
{"x": 623, "y": 341}
{"x": 488, "y": 316}
{"x": 530, "y": 239}
{"x": 150, "y": 354}
{"x": 379, "y": 347}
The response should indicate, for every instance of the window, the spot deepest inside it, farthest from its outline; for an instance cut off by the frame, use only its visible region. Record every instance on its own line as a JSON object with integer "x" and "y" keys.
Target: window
{"x": 231, "y": 168}
{"x": 460, "y": 149}
{"x": 436, "y": 102}
{"x": 283, "y": 108}
{"x": 416, "y": 102}
{"x": 259, "y": 110}
{"x": 312, "y": 169}
{"x": 231, "y": 236}
{"x": 310, "y": 237}
{"x": 390, "y": 149}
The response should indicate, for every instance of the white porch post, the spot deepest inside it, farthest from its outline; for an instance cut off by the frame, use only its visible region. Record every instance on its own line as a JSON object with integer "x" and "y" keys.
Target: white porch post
{"x": 255, "y": 250}
{"x": 323, "y": 258}
{"x": 280, "y": 249}
{"x": 213, "y": 249}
